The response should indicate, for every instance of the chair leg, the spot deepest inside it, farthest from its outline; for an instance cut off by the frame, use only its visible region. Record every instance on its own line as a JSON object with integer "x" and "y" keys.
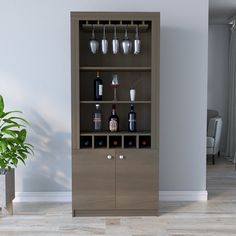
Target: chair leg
{"x": 219, "y": 154}
{"x": 213, "y": 159}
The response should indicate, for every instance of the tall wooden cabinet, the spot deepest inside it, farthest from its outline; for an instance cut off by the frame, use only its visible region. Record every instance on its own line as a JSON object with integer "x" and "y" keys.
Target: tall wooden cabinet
{"x": 115, "y": 173}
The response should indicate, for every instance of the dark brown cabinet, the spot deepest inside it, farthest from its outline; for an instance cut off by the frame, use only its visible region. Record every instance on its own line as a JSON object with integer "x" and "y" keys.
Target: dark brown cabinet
{"x": 115, "y": 173}
{"x": 115, "y": 179}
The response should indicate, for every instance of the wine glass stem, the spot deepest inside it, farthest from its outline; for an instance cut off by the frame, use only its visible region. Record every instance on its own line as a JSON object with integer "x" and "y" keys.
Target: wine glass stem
{"x": 115, "y": 98}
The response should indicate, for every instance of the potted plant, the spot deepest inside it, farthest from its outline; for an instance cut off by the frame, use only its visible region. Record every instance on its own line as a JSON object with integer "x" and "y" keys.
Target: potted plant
{"x": 13, "y": 150}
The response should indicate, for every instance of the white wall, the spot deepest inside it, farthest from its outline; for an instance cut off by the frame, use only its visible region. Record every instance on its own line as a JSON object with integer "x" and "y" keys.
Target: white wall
{"x": 218, "y": 79}
{"x": 35, "y": 77}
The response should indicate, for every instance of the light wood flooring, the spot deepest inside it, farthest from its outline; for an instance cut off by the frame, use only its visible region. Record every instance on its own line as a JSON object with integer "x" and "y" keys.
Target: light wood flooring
{"x": 217, "y": 217}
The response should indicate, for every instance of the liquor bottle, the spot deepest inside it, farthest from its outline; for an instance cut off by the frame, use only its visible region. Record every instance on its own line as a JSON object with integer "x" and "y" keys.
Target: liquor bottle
{"x": 98, "y": 88}
{"x": 113, "y": 120}
{"x": 97, "y": 118}
{"x": 132, "y": 119}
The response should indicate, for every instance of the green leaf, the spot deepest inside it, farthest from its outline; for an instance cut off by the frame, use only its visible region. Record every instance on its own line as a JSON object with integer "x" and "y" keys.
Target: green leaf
{"x": 22, "y": 135}
{"x": 18, "y": 118}
{"x": 10, "y": 132}
{"x": 30, "y": 145}
{"x": 20, "y": 158}
{"x": 9, "y": 121}
{"x": 3, "y": 146}
{"x": 9, "y": 112}
{"x": 7, "y": 127}
{"x": 1, "y": 106}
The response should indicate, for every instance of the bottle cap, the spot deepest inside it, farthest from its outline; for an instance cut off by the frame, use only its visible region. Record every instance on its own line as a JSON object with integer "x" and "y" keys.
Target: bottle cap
{"x": 97, "y": 73}
{"x": 97, "y": 106}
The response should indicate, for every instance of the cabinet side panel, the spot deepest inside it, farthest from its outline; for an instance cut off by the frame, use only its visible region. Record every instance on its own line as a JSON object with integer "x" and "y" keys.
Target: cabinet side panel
{"x": 75, "y": 95}
{"x": 155, "y": 58}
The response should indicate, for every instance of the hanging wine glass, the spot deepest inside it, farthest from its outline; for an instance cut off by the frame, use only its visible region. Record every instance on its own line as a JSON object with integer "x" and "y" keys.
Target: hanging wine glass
{"x": 104, "y": 42}
{"x": 93, "y": 43}
{"x": 137, "y": 42}
{"x": 115, "y": 43}
{"x": 126, "y": 44}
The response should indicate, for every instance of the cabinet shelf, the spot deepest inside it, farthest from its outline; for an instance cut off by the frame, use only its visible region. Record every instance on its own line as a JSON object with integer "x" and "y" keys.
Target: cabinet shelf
{"x": 121, "y": 133}
{"x": 114, "y": 68}
{"x": 115, "y": 102}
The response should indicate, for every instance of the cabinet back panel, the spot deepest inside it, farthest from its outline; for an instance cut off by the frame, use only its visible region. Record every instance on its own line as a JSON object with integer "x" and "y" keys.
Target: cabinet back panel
{"x": 142, "y": 113}
{"x": 140, "y": 81}
{"x": 89, "y": 59}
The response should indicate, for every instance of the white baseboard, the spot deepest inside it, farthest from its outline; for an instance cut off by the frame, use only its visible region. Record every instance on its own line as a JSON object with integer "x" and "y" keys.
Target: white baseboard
{"x": 42, "y": 197}
{"x": 66, "y": 196}
{"x": 183, "y": 195}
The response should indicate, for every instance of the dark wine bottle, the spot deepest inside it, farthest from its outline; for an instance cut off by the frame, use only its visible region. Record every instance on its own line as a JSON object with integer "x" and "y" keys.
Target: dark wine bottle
{"x": 98, "y": 88}
{"x": 113, "y": 120}
{"x": 132, "y": 119}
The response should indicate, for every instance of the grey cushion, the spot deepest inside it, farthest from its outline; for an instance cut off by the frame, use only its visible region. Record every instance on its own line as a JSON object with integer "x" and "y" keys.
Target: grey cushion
{"x": 213, "y": 135}
{"x": 210, "y": 142}
{"x": 211, "y": 114}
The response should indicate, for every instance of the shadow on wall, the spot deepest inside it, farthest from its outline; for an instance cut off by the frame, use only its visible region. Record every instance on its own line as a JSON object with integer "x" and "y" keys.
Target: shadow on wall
{"x": 50, "y": 168}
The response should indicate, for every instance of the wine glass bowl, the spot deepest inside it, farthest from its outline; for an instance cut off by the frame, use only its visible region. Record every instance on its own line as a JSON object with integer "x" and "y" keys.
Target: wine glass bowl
{"x": 115, "y": 43}
{"x": 115, "y": 81}
{"x": 104, "y": 42}
{"x": 93, "y": 43}
{"x": 126, "y": 44}
{"x": 137, "y": 42}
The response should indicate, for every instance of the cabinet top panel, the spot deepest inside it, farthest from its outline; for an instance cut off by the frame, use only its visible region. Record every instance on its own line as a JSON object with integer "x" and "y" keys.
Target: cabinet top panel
{"x": 115, "y": 15}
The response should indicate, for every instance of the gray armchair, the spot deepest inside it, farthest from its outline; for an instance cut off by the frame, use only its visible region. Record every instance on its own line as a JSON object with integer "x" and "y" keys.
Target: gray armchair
{"x": 214, "y": 136}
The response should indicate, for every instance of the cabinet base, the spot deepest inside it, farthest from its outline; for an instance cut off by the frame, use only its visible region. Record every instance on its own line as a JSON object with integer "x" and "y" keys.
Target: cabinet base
{"x": 152, "y": 212}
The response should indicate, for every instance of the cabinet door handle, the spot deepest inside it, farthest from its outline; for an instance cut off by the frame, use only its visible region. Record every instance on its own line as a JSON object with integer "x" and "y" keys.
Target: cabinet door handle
{"x": 121, "y": 157}
{"x": 109, "y": 157}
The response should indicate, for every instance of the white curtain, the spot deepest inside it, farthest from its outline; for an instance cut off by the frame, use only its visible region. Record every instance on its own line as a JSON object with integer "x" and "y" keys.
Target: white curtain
{"x": 231, "y": 134}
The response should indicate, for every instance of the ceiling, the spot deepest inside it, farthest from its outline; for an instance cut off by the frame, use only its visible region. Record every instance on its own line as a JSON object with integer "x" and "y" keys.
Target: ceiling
{"x": 221, "y": 10}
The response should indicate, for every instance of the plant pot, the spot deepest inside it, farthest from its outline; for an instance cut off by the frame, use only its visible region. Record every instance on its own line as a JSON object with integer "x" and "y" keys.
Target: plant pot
{"x": 7, "y": 191}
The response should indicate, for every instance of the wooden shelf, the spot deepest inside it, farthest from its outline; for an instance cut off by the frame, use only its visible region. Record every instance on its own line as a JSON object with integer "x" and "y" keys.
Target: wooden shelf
{"x": 121, "y": 133}
{"x": 114, "y": 68}
{"x": 115, "y": 102}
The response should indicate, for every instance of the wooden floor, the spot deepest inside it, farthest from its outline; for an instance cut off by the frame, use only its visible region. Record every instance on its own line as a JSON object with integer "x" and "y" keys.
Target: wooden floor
{"x": 217, "y": 217}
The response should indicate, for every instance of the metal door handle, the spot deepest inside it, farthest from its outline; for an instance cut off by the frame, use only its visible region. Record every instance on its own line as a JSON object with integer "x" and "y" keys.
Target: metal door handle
{"x": 121, "y": 157}
{"x": 109, "y": 157}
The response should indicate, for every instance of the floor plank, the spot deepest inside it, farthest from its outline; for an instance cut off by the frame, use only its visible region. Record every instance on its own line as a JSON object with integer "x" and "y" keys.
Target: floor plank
{"x": 217, "y": 217}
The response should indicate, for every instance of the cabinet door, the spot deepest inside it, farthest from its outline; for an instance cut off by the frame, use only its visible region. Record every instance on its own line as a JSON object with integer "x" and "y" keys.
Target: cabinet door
{"x": 136, "y": 179}
{"x": 94, "y": 180}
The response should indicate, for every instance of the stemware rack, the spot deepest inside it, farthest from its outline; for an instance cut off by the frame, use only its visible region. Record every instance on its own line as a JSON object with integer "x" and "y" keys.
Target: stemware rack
{"x": 120, "y": 25}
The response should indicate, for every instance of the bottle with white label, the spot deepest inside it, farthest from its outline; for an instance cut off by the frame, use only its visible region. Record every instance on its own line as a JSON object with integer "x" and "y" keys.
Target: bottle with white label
{"x": 98, "y": 88}
{"x": 97, "y": 118}
{"x": 132, "y": 119}
{"x": 113, "y": 120}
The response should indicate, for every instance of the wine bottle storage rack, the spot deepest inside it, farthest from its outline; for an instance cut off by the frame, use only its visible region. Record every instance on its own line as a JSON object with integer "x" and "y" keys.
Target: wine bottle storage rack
{"x": 100, "y": 141}
{"x": 115, "y": 140}
{"x": 130, "y": 141}
{"x": 86, "y": 142}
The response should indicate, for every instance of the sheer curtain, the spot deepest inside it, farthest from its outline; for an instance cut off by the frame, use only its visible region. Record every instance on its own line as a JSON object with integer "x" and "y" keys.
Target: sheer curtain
{"x": 231, "y": 134}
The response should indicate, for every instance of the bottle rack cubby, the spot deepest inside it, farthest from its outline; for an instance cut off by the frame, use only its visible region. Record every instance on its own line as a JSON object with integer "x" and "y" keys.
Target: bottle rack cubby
{"x": 95, "y": 141}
